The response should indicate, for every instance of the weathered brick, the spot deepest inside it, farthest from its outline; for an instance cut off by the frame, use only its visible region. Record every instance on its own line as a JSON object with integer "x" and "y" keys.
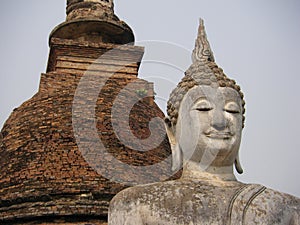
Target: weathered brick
{"x": 44, "y": 178}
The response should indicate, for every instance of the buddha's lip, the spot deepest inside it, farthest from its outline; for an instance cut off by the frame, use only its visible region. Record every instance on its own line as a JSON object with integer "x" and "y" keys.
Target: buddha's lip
{"x": 219, "y": 134}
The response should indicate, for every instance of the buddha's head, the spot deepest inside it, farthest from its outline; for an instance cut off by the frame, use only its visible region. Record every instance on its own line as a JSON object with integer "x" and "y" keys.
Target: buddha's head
{"x": 205, "y": 113}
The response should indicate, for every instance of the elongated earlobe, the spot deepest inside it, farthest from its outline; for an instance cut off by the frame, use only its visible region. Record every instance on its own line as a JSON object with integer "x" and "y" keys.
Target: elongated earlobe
{"x": 176, "y": 158}
{"x": 176, "y": 150}
{"x": 238, "y": 165}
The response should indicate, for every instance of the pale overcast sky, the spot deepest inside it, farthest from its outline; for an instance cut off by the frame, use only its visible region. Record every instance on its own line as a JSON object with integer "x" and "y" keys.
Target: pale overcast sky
{"x": 256, "y": 42}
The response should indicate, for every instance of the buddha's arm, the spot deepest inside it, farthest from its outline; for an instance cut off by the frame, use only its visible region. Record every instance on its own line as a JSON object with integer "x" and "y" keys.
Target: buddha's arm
{"x": 123, "y": 212}
{"x": 124, "y": 217}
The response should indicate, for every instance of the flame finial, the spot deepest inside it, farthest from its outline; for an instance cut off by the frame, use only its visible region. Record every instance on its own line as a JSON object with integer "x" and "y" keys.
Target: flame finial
{"x": 202, "y": 51}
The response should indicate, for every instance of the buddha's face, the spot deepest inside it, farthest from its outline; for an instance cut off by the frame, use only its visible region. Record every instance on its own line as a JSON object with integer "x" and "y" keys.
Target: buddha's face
{"x": 209, "y": 126}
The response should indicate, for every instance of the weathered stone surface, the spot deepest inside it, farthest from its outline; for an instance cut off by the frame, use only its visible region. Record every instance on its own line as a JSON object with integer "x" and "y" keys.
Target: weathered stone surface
{"x": 202, "y": 202}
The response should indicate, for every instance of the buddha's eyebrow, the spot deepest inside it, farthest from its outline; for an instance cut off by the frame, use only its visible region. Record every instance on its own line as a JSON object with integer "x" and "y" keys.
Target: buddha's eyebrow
{"x": 230, "y": 102}
{"x": 202, "y": 98}
{"x": 231, "y": 94}
{"x": 232, "y": 98}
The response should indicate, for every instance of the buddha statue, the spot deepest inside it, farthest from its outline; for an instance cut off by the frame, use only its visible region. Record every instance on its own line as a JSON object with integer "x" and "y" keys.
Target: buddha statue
{"x": 204, "y": 127}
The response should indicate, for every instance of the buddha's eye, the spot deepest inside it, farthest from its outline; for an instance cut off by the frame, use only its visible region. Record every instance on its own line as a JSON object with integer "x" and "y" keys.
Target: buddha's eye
{"x": 204, "y": 109}
{"x": 232, "y": 107}
{"x": 203, "y": 106}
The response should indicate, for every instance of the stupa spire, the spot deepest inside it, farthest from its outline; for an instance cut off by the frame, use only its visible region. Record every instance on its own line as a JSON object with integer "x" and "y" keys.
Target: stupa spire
{"x": 93, "y": 20}
{"x": 84, "y": 9}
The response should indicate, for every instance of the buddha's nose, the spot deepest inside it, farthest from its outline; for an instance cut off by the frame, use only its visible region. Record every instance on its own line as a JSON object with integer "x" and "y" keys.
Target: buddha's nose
{"x": 218, "y": 120}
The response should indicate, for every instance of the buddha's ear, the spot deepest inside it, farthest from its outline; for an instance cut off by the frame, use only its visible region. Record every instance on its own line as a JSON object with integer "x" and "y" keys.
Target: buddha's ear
{"x": 176, "y": 150}
{"x": 238, "y": 165}
{"x": 170, "y": 132}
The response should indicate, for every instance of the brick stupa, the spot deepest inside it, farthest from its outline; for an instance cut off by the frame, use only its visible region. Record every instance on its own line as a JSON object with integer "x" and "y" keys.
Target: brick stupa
{"x": 44, "y": 176}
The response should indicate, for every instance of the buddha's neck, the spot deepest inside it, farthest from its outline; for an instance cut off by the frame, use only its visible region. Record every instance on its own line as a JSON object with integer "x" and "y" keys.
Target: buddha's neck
{"x": 192, "y": 170}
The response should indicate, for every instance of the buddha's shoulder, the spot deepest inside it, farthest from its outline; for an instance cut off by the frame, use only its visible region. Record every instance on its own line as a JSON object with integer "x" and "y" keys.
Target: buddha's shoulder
{"x": 273, "y": 207}
{"x": 134, "y": 199}
{"x": 142, "y": 191}
{"x": 277, "y": 199}
{"x": 190, "y": 189}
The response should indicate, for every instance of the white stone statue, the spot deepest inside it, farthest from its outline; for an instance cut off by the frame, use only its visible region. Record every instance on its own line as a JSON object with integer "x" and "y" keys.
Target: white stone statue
{"x": 206, "y": 118}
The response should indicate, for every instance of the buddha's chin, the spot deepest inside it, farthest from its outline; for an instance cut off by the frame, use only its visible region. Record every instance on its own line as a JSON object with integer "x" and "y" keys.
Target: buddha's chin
{"x": 222, "y": 146}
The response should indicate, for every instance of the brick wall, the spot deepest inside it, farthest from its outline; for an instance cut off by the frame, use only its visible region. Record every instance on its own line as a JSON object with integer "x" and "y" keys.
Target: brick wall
{"x": 43, "y": 174}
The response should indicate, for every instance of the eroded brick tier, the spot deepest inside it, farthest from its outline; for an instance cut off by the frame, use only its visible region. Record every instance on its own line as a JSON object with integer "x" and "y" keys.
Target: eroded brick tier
{"x": 44, "y": 178}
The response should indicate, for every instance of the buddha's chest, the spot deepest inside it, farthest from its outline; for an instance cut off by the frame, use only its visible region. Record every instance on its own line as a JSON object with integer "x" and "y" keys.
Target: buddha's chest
{"x": 187, "y": 208}
{"x": 199, "y": 205}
